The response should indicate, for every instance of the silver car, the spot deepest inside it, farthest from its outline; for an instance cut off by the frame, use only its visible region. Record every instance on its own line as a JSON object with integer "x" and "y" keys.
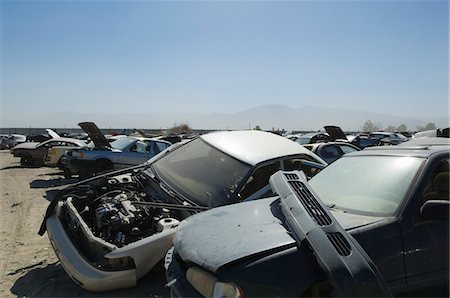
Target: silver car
{"x": 105, "y": 156}
{"x": 110, "y": 230}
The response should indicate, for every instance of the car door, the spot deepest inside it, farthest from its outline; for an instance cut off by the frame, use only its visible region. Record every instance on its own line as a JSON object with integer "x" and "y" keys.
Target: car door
{"x": 133, "y": 154}
{"x": 426, "y": 240}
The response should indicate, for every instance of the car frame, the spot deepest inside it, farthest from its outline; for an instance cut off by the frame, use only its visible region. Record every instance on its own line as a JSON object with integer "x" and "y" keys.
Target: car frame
{"x": 31, "y": 153}
{"x": 125, "y": 151}
{"x": 286, "y": 253}
{"x": 100, "y": 252}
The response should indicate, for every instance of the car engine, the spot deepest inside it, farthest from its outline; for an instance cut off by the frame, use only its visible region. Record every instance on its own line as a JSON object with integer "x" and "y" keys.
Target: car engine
{"x": 116, "y": 210}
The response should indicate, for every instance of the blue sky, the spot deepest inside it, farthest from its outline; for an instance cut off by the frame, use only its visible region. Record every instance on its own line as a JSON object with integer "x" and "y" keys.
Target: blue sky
{"x": 207, "y": 56}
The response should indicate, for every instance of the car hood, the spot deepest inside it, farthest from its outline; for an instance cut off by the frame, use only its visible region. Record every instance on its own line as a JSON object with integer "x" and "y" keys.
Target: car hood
{"x": 95, "y": 134}
{"x": 241, "y": 230}
{"x": 335, "y": 133}
{"x": 26, "y": 145}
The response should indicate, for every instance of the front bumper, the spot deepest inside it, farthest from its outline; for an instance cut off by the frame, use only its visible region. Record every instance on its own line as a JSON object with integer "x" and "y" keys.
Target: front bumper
{"x": 78, "y": 269}
{"x": 176, "y": 277}
{"x": 77, "y": 166}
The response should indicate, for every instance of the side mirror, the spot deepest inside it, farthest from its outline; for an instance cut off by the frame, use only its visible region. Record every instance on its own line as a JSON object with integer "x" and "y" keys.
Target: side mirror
{"x": 435, "y": 210}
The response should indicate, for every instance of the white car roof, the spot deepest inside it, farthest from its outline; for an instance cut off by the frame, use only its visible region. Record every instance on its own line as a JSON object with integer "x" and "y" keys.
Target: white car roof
{"x": 254, "y": 146}
{"x": 69, "y": 140}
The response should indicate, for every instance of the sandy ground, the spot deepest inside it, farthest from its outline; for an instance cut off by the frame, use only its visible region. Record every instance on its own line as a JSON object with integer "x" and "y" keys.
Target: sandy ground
{"x": 28, "y": 265}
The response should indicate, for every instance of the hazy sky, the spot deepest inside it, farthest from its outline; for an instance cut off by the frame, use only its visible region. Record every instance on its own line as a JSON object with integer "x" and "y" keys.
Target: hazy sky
{"x": 207, "y": 56}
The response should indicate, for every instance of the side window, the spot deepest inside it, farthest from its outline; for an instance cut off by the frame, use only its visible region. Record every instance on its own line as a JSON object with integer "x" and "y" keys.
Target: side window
{"x": 161, "y": 146}
{"x": 438, "y": 186}
{"x": 331, "y": 151}
{"x": 435, "y": 189}
{"x": 347, "y": 149}
{"x": 141, "y": 147}
{"x": 303, "y": 163}
{"x": 259, "y": 179}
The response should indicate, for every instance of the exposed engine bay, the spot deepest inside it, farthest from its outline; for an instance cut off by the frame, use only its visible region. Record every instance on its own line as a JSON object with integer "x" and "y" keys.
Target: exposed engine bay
{"x": 109, "y": 213}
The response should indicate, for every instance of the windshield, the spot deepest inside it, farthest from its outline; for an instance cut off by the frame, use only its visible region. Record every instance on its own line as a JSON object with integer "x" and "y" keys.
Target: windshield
{"x": 374, "y": 185}
{"x": 202, "y": 173}
{"x": 122, "y": 143}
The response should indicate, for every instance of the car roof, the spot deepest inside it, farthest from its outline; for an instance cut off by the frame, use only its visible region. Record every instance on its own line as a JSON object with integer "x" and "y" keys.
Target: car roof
{"x": 254, "y": 146}
{"x": 413, "y": 151}
{"x": 70, "y": 140}
{"x": 426, "y": 141}
{"x": 315, "y": 145}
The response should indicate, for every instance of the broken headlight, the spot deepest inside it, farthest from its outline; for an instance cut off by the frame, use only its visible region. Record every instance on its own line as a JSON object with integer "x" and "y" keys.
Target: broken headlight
{"x": 208, "y": 286}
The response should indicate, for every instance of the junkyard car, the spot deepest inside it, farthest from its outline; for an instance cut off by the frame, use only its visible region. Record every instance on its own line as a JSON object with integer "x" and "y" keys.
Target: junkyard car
{"x": 12, "y": 140}
{"x": 31, "y": 153}
{"x": 331, "y": 151}
{"x": 373, "y": 223}
{"x": 110, "y": 230}
{"x": 383, "y": 138}
{"x": 105, "y": 156}
{"x": 53, "y": 156}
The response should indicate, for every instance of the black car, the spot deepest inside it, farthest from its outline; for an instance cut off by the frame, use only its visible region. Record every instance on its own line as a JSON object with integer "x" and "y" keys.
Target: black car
{"x": 331, "y": 151}
{"x": 373, "y": 223}
{"x": 383, "y": 138}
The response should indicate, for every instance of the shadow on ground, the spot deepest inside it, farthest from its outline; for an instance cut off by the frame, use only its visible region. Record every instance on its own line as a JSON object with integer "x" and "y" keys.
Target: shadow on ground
{"x": 41, "y": 183}
{"x": 52, "y": 281}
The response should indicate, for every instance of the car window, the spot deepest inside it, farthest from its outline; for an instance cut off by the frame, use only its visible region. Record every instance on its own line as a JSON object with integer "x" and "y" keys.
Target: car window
{"x": 122, "y": 143}
{"x": 140, "y": 147}
{"x": 161, "y": 146}
{"x": 304, "y": 163}
{"x": 330, "y": 152}
{"x": 259, "y": 178}
{"x": 347, "y": 149}
{"x": 374, "y": 185}
{"x": 202, "y": 173}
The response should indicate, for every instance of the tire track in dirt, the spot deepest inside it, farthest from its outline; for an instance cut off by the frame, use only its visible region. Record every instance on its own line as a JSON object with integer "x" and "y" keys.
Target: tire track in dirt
{"x": 28, "y": 265}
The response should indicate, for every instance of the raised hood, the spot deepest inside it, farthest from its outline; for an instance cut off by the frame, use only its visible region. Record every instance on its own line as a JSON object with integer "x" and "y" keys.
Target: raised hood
{"x": 335, "y": 133}
{"x": 233, "y": 232}
{"x": 95, "y": 134}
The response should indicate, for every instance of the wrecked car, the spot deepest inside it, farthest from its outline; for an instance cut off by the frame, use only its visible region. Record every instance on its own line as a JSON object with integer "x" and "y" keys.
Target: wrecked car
{"x": 32, "y": 153}
{"x": 371, "y": 224}
{"x": 331, "y": 151}
{"x": 105, "y": 156}
{"x": 110, "y": 230}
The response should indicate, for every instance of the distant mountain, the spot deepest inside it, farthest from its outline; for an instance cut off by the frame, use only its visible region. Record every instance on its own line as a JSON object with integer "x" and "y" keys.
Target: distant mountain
{"x": 266, "y": 117}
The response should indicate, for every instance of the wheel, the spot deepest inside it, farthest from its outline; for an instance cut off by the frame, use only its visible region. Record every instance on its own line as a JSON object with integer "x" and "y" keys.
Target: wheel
{"x": 104, "y": 165}
{"x": 26, "y": 160}
{"x": 67, "y": 173}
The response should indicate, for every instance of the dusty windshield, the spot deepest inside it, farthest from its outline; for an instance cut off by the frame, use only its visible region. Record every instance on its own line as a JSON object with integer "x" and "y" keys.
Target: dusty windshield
{"x": 122, "y": 143}
{"x": 202, "y": 173}
{"x": 374, "y": 185}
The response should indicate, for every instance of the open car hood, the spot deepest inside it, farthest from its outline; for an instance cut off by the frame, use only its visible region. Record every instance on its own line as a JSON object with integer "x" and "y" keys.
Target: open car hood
{"x": 335, "y": 133}
{"x": 53, "y": 134}
{"x": 95, "y": 134}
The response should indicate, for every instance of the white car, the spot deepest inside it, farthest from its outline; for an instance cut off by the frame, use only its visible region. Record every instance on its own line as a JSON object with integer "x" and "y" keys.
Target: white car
{"x": 110, "y": 230}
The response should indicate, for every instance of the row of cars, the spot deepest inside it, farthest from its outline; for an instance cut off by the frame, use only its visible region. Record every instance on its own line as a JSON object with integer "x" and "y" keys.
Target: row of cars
{"x": 86, "y": 158}
{"x": 372, "y": 223}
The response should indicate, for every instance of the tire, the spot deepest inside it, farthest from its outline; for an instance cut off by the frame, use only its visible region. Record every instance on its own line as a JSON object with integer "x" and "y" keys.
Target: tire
{"x": 67, "y": 174}
{"x": 26, "y": 160}
{"x": 103, "y": 165}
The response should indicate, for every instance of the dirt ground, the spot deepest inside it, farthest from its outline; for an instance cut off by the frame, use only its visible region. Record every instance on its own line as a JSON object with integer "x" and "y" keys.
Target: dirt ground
{"x": 28, "y": 265}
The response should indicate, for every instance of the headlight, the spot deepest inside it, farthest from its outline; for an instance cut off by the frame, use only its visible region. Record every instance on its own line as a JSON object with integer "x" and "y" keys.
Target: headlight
{"x": 207, "y": 285}
{"x": 52, "y": 151}
{"x": 78, "y": 154}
